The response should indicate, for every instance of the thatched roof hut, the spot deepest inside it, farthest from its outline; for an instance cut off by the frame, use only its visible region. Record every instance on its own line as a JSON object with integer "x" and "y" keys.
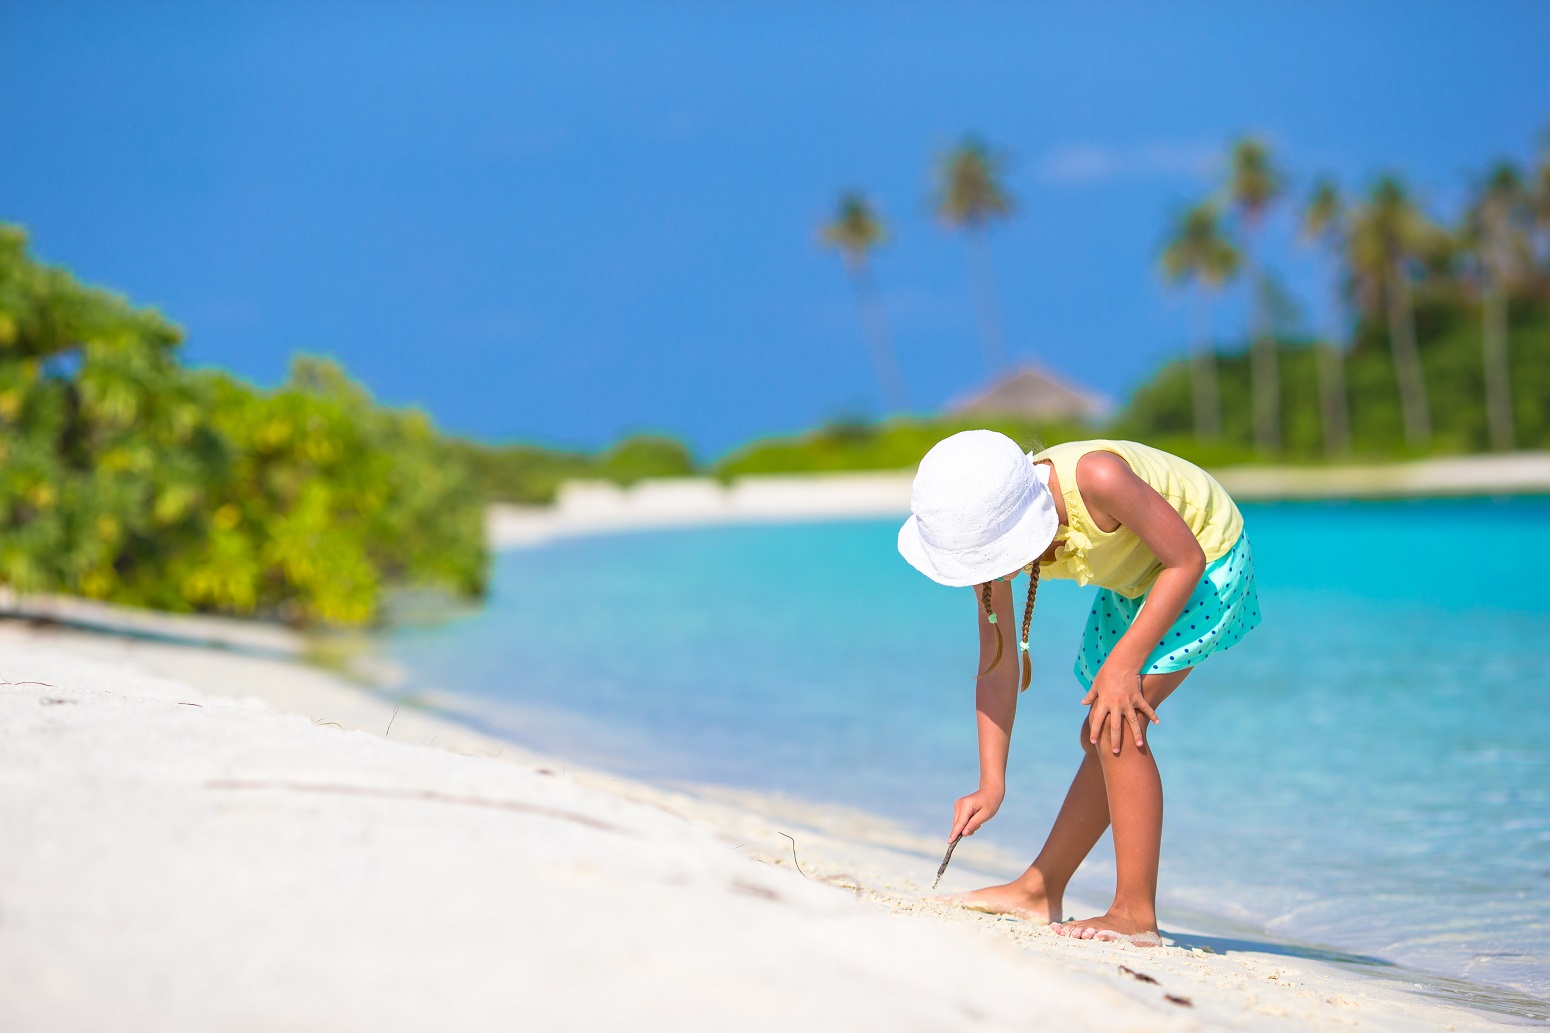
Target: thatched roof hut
{"x": 1031, "y": 393}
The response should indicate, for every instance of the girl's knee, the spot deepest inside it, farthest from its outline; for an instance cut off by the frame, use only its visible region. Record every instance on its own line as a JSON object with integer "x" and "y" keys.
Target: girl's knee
{"x": 1084, "y": 737}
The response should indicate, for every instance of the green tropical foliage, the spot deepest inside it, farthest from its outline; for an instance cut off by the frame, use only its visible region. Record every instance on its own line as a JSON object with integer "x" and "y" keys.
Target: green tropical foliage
{"x": 532, "y": 475}
{"x": 128, "y": 478}
{"x": 1438, "y": 341}
{"x": 855, "y": 230}
{"x": 893, "y": 445}
{"x": 1448, "y": 333}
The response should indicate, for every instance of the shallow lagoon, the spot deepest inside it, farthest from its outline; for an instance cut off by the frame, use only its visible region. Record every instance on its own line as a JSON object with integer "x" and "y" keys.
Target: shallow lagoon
{"x": 1369, "y": 770}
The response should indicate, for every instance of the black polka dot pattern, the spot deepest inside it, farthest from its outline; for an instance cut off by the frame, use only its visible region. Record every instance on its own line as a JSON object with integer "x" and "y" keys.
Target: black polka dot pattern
{"x": 1223, "y": 608}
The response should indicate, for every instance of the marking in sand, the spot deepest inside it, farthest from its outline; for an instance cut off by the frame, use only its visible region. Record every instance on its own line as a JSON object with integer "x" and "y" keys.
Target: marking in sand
{"x": 430, "y": 795}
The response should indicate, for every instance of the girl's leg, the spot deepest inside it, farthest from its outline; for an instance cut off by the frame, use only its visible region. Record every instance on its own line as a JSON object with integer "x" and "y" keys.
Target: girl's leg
{"x": 1036, "y": 894}
{"x": 1133, "y": 788}
{"x": 1084, "y": 815}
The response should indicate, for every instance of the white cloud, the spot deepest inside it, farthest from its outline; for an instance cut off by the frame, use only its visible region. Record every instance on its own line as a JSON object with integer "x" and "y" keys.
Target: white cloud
{"x": 1081, "y": 163}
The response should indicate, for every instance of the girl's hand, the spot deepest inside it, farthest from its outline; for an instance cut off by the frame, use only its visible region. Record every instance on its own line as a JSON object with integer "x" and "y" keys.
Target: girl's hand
{"x": 974, "y": 810}
{"x": 1116, "y": 697}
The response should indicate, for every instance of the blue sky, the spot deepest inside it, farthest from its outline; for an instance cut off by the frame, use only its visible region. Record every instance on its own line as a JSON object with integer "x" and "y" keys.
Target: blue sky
{"x": 567, "y": 222}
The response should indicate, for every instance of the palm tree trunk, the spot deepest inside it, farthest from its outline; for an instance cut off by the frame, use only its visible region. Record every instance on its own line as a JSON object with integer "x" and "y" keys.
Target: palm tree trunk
{"x": 1333, "y": 407}
{"x": 986, "y": 311}
{"x": 1334, "y": 401}
{"x": 1264, "y": 368}
{"x": 1407, "y": 359}
{"x": 1498, "y": 385}
{"x": 874, "y": 323}
{"x": 1206, "y": 400}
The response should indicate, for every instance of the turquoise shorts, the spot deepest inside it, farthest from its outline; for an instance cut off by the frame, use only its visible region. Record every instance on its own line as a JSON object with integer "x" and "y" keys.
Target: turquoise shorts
{"x": 1223, "y": 608}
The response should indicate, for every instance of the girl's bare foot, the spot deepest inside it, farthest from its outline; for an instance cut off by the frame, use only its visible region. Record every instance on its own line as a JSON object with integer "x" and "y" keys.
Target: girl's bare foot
{"x": 1024, "y": 898}
{"x": 1115, "y": 925}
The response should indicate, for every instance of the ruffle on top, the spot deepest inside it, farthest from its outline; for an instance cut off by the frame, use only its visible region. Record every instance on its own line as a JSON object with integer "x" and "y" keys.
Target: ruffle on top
{"x": 1072, "y": 555}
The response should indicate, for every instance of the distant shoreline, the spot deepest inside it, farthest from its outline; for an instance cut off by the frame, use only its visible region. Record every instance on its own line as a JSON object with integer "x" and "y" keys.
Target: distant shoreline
{"x": 595, "y": 507}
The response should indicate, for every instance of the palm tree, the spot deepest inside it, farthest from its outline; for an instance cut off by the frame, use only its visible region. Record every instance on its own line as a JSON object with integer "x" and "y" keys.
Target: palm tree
{"x": 1497, "y": 229}
{"x": 1387, "y": 235}
{"x": 855, "y": 231}
{"x": 1198, "y": 253}
{"x": 1253, "y": 186}
{"x": 970, "y": 196}
{"x": 1323, "y": 224}
{"x": 1541, "y": 198}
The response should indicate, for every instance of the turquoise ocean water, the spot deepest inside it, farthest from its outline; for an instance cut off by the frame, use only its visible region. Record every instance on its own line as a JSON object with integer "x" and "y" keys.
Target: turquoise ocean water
{"x": 1368, "y": 771}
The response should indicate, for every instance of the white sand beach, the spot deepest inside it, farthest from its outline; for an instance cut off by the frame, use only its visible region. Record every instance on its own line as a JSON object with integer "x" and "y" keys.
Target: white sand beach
{"x": 199, "y": 839}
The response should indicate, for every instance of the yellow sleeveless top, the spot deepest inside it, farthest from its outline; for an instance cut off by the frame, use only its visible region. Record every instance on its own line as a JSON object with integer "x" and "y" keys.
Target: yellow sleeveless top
{"x": 1119, "y": 560}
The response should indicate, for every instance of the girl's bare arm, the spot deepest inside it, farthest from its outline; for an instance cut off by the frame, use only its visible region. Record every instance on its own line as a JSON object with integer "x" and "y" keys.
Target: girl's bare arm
{"x": 995, "y": 699}
{"x": 1115, "y": 495}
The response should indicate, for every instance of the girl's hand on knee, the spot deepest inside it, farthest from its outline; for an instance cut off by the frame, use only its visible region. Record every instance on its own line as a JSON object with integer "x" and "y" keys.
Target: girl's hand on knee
{"x": 974, "y": 810}
{"x": 1116, "y": 698}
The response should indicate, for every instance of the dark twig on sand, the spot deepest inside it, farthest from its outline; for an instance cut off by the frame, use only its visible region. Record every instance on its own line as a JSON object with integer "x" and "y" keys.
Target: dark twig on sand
{"x": 391, "y": 720}
{"x": 1133, "y": 974}
{"x": 1183, "y": 1002}
{"x": 945, "y": 858}
{"x": 794, "y": 856}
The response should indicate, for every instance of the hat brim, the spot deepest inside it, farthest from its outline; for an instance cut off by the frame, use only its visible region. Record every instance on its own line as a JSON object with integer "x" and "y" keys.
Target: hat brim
{"x": 1023, "y": 543}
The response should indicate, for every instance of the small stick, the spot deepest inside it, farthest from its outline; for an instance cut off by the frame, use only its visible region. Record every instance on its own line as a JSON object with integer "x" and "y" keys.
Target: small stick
{"x": 794, "y": 856}
{"x": 391, "y": 720}
{"x": 945, "y": 858}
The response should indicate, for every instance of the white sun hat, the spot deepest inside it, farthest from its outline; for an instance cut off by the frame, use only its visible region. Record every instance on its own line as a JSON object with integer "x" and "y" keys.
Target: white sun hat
{"x": 980, "y": 509}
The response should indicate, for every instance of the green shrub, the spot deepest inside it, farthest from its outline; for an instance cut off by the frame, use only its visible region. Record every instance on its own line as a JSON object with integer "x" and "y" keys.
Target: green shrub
{"x": 532, "y": 475}
{"x": 127, "y": 478}
{"x": 895, "y": 445}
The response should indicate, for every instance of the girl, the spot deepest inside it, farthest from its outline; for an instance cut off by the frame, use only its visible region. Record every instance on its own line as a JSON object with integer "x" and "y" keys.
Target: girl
{"x": 1165, "y": 545}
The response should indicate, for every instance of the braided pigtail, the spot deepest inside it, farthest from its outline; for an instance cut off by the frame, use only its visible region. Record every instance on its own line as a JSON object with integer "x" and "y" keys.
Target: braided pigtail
{"x": 990, "y": 616}
{"x": 1022, "y": 643}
